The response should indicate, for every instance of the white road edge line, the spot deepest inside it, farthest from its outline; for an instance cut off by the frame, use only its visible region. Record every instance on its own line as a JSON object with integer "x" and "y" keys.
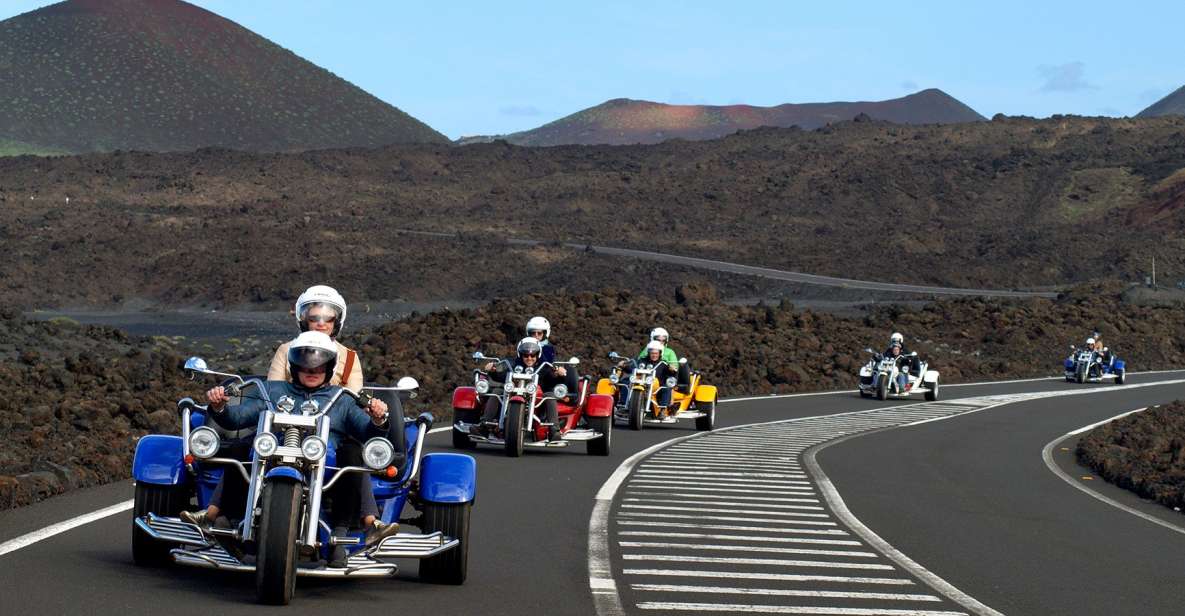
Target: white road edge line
{"x": 28, "y": 539}
{"x": 1047, "y": 456}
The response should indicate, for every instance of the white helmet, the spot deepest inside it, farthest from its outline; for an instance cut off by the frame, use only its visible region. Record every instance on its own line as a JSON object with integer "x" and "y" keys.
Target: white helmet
{"x": 321, "y": 295}
{"x": 897, "y": 337}
{"x": 312, "y": 350}
{"x": 659, "y": 332}
{"x": 655, "y": 345}
{"x": 539, "y": 324}
{"x": 1090, "y": 342}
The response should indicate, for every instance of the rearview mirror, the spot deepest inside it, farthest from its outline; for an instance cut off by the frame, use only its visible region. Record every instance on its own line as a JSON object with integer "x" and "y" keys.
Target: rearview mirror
{"x": 913, "y": 354}
{"x": 869, "y": 350}
{"x": 682, "y": 360}
{"x": 407, "y": 382}
{"x": 478, "y": 355}
{"x": 613, "y": 355}
{"x": 575, "y": 361}
{"x": 195, "y": 364}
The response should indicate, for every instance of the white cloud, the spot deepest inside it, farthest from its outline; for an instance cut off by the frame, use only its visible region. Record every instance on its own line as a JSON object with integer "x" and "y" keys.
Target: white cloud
{"x": 1069, "y": 77}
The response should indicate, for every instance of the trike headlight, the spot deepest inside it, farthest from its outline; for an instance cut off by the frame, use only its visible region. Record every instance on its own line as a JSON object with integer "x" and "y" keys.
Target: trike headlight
{"x": 203, "y": 442}
{"x": 482, "y": 386}
{"x": 313, "y": 448}
{"x": 266, "y": 444}
{"x": 378, "y": 453}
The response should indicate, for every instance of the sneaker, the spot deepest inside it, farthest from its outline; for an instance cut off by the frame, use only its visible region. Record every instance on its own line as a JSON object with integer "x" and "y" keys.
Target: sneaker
{"x": 197, "y": 518}
{"x": 380, "y": 530}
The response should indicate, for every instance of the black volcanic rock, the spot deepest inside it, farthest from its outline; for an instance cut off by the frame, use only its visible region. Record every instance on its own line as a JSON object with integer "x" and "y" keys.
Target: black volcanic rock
{"x": 163, "y": 75}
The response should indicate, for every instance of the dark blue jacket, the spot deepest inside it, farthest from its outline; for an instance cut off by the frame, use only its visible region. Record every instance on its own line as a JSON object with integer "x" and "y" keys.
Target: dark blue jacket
{"x": 345, "y": 417}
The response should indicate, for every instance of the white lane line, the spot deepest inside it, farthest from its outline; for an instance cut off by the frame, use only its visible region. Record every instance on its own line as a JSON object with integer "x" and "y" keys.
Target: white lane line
{"x": 841, "y": 511}
{"x": 765, "y": 562}
{"x": 782, "y": 577}
{"x": 799, "y": 513}
{"x": 720, "y": 518}
{"x": 1099, "y": 423}
{"x": 634, "y": 492}
{"x": 649, "y": 470}
{"x": 740, "y": 608}
{"x": 756, "y": 530}
{"x": 697, "y": 488}
{"x": 647, "y": 533}
{"x": 744, "y": 548}
{"x": 688, "y": 465}
{"x": 782, "y": 592}
{"x": 669, "y": 501}
{"x": 735, "y": 483}
{"x": 1047, "y": 456}
{"x": 28, "y": 539}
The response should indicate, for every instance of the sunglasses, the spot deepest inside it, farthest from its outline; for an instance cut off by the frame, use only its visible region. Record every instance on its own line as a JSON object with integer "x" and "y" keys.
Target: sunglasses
{"x": 535, "y": 331}
{"x": 321, "y": 318}
{"x": 529, "y": 355}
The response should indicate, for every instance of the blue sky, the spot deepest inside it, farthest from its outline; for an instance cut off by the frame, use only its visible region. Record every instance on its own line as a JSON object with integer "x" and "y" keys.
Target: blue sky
{"x": 495, "y": 67}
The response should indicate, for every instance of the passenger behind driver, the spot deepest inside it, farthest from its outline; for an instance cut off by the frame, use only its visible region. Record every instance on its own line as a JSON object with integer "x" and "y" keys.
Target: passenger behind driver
{"x": 312, "y": 356}
{"x": 539, "y": 328}
{"x": 669, "y": 355}
{"x": 527, "y": 356}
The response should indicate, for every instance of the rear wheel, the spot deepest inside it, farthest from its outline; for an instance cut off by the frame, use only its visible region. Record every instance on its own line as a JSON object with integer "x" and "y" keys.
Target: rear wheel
{"x": 708, "y": 421}
{"x": 604, "y": 425}
{"x": 452, "y": 566}
{"x": 165, "y": 501}
{"x": 882, "y": 387}
{"x": 461, "y": 439}
{"x": 1120, "y": 376}
{"x": 275, "y": 571}
{"x": 515, "y": 417}
{"x": 637, "y": 409}
{"x": 932, "y": 395}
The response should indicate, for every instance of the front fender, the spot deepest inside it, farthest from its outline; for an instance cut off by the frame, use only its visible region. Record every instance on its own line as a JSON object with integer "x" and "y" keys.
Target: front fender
{"x": 159, "y": 460}
{"x": 705, "y": 393}
{"x": 286, "y": 472}
{"x": 599, "y": 405}
{"x": 448, "y": 478}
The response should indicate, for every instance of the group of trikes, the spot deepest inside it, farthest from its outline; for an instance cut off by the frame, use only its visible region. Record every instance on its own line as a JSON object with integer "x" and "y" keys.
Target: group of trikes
{"x": 284, "y": 443}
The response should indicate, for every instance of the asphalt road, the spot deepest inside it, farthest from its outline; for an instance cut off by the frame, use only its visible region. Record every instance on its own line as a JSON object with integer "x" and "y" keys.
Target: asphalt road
{"x": 968, "y": 498}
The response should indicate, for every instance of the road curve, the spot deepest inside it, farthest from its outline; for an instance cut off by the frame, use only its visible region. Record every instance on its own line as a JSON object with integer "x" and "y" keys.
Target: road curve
{"x": 765, "y": 272}
{"x": 529, "y": 551}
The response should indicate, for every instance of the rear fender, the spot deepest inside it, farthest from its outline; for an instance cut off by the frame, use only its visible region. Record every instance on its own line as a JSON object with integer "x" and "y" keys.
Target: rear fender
{"x": 287, "y": 472}
{"x": 705, "y": 393}
{"x": 1119, "y": 365}
{"x": 464, "y": 399}
{"x": 606, "y": 387}
{"x": 930, "y": 377}
{"x": 448, "y": 478}
{"x": 599, "y": 405}
{"x": 159, "y": 460}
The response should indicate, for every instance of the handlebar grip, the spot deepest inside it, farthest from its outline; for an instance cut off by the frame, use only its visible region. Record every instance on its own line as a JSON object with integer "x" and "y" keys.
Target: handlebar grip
{"x": 233, "y": 390}
{"x": 186, "y": 403}
{"x": 363, "y": 399}
{"x": 426, "y": 420}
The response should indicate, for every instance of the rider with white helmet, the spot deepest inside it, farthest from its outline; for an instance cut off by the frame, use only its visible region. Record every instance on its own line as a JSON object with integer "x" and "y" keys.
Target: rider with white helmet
{"x": 539, "y": 328}
{"x": 311, "y": 359}
{"x": 322, "y": 309}
{"x": 670, "y": 357}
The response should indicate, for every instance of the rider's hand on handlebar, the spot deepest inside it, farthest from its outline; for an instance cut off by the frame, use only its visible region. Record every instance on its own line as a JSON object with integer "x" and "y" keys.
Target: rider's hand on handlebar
{"x": 217, "y": 398}
{"x": 560, "y": 371}
{"x": 377, "y": 410}
{"x": 489, "y": 366}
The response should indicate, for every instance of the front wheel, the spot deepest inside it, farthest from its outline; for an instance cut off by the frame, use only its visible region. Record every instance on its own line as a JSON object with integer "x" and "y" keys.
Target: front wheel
{"x": 637, "y": 409}
{"x": 165, "y": 501}
{"x": 882, "y": 387}
{"x": 452, "y": 519}
{"x": 461, "y": 439}
{"x": 708, "y": 421}
{"x": 604, "y": 425}
{"x": 275, "y": 571}
{"x": 515, "y": 417}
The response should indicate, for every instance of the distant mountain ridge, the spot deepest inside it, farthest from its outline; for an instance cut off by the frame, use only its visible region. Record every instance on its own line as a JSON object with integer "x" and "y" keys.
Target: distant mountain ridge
{"x": 1173, "y": 104}
{"x": 163, "y": 75}
{"x": 624, "y": 121}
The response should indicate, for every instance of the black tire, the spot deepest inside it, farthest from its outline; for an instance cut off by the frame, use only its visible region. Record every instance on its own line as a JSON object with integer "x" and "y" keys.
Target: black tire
{"x": 882, "y": 387}
{"x": 1120, "y": 376}
{"x": 604, "y": 425}
{"x": 637, "y": 410}
{"x": 708, "y": 421}
{"x": 932, "y": 395}
{"x": 275, "y": 570}
{"x": 165, "y": 501}
{"x": 515, "y": 418}
{"x": 461, "y": 439}
{"x": 452, "y": 519}
{"x": 1081, "y": 376}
